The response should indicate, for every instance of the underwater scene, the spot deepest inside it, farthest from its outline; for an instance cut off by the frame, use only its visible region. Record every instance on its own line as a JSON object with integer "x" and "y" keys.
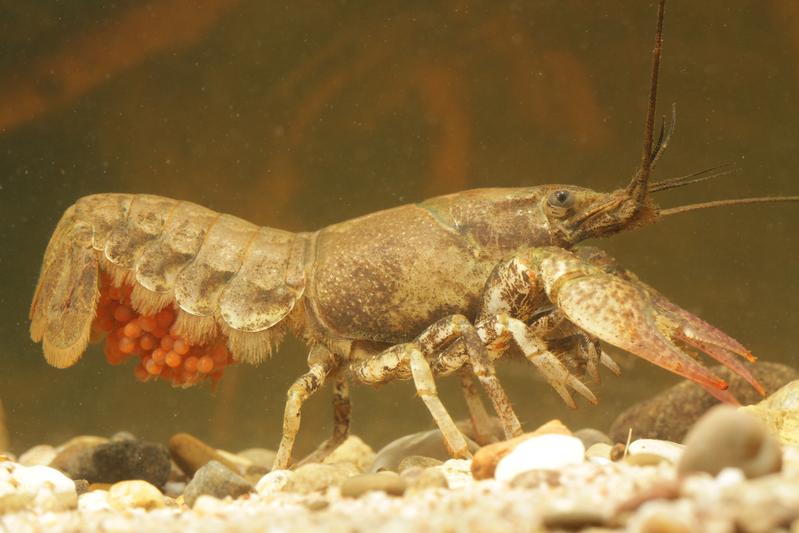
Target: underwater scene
{"x": 217, "y": 215}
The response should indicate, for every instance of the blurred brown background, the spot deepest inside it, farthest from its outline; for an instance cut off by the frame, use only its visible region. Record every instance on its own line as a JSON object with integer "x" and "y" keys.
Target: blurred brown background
{"x": 301, "y": 114}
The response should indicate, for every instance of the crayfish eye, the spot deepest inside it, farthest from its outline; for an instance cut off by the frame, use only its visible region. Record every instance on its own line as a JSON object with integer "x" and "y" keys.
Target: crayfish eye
{"x": 560, "y": 202}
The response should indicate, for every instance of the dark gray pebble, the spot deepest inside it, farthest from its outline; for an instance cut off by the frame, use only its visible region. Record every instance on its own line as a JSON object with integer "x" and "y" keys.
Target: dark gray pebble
{"x": 131, "y": 459}
{"x": 214, "y": 479}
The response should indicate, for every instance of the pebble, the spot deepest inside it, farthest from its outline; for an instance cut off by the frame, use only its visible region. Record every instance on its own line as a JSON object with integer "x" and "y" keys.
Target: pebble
{"x": 262, "y": 457}
{"x": 36, "y": 488}
{"x": 591, "y": 436}
{"x": 669, "y": 451}
{"x": 316, "y": 504}
{"x": 543, "y": 452}
{"x": 458, "y": 472}
{"x": 417, "y": 460}
{"x": 487, "y": 458}
{"x": 130, "y": 459}
{"x": 209, "y": 506}
{"x": 780, "y": 412}
{"x": 190, "y": 454}
{"x": 426, "y": 443}
{"x": 352, "y": 450}
{"x": 315, "y": 477}
{"x": 419, "y": 479}
{"x": 134, "y": 493}
{"x": 74, "y": 457}
{"x": 534, "y": 479}
{"x": 644, "y": 459}
{"x": 599, "y": 453}
{"x": 241, "y": 463}
{"x": 388, "y": 482}
{"x": 273, "y": 482}
{"x": 43, "y": 454}
{"x": 728, "y": 437}
{"x": 573, "y": 519}
{"x": 670, "y": 414}
{"x": 81, "y": 486}
{"x": 214, "y": 479}
{"x": 94, "y": 501}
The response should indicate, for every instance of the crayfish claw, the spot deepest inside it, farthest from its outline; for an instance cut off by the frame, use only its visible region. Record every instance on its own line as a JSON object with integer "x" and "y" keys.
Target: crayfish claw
{"x": 623, "y": 314}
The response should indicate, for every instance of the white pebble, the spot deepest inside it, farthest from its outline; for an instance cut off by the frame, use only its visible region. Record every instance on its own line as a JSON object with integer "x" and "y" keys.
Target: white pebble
{"x": 273, "y": 482}
{"x": 670, "y": 451}
{"x": 207, "y": 505}
{"x": 730, "y": 477}
{"x": 38, "y": 488}
{"x": 545, "y": 452}
{"x": 94, "y": 501}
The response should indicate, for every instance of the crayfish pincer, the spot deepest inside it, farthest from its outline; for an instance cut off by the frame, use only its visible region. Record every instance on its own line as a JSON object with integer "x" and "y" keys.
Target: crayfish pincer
{"x": 445, "y": 286}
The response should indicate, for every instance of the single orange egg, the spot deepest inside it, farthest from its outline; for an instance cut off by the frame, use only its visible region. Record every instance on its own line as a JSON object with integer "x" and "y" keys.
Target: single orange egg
{"x": 132, "y": 329}
{"x": 205, "y": 364}
{"x": 181, "y": 346}
{"x": 172, "y": 359}
{"x": 127, "y": 345}
{"x": 190, "y": 364}
{"x": 147, "y": 342}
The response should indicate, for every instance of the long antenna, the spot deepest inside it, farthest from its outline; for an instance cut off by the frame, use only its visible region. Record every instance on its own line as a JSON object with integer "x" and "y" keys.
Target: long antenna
{"x": 638, "y": 185}
{"x": 722, "y": 203}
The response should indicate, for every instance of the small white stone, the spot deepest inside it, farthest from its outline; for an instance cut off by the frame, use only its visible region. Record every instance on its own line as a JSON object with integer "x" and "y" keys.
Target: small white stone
{"x": 273, "y": 482}
{"x": 38, "y": 488}
{"x": 94, "y": 501}
{"x": 173, "y": 489}
{"x": 207, "y": 505}
{"x": 544, "y": 452}
{"x": 730, "y": 477}
{"x": 134, "y": 493}
{"x": 670, "y": 451}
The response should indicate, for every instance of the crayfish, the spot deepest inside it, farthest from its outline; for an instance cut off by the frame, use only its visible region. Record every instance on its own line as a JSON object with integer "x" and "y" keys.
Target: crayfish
{"x": 416, "y": 292}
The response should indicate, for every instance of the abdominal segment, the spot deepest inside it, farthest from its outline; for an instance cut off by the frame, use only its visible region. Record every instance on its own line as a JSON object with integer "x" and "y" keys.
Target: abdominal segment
{"x": 152, "y": 342}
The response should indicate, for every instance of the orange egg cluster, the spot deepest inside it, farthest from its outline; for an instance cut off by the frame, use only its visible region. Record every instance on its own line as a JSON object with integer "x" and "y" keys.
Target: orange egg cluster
{"x": 162, "y": 353}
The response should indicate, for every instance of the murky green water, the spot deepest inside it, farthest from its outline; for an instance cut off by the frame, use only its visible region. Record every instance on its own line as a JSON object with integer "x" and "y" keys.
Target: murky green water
{"x": 298, "y": 115}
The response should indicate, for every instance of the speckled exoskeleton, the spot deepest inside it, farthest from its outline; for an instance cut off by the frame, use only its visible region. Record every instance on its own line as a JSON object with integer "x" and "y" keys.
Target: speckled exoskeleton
{"x": 415, "y": 292}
